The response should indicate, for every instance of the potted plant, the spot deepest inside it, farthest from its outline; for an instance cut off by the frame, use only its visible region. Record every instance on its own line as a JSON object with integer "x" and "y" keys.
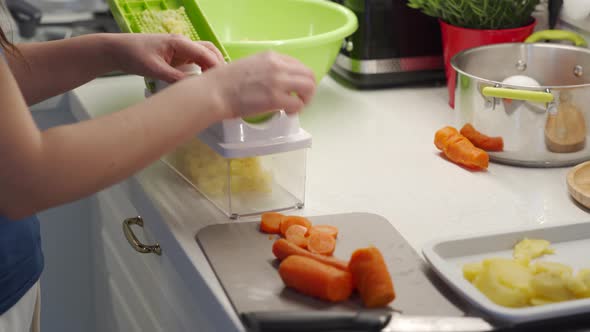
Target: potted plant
{"x": 471, "y": 23}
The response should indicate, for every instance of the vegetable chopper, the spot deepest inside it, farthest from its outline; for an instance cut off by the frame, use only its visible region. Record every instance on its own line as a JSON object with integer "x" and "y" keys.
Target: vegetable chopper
{"x": 244, "y": 166}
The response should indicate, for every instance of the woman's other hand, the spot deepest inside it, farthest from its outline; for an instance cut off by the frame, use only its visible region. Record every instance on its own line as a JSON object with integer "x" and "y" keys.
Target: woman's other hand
{"x": 260, "y": 83}
{"x": 156, "y": 55}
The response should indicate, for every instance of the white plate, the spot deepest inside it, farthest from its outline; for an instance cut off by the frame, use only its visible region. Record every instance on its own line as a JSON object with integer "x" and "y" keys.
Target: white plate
{"x": 572, "y": 247}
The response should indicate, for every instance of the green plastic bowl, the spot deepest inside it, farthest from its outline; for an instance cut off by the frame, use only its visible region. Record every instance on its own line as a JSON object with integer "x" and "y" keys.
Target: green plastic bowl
{"x": 309, "y": 30}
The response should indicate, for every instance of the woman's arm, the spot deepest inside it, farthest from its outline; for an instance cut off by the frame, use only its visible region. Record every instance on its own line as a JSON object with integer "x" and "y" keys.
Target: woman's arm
{"x": 42, "y": 169}
{"x": 48, "y": 69}
{"x": 39, "y": 170}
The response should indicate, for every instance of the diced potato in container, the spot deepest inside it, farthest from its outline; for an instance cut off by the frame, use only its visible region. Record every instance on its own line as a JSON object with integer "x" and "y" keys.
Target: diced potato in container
{"x": 550, "y": 286}
{"x": 528, "y": 249}
{"x": 519, "y": 282}
{"x": 505, "y": 282}
{"x": 551, "y": 267}
{"x": 472, "y": 270}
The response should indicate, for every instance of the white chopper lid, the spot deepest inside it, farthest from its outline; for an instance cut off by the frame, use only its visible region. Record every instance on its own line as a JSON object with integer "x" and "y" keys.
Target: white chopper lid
{"x": 239, "y": 138}
{"x": 236, "y": 138}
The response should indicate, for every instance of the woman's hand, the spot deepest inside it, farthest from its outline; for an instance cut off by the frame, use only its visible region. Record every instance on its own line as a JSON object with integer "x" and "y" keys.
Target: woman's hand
{"x": 156, "y": 55}
{"x": 260, "y": 83}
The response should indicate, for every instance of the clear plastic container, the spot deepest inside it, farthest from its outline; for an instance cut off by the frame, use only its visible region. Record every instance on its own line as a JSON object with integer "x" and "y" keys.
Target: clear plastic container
{"x": 243, "y": 186}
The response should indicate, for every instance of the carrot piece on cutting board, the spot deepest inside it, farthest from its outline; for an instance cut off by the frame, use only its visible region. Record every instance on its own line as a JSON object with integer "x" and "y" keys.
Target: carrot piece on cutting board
{"x": 283, "y": 249}
{"x": 294, "y": 220}
{"x": 482, "y": 141}
{"x": 321, "y": 243}
{"x": 297, "y": 234}
{"x": 371, "y": 277}
{"x": 332, "y": 230}
{"x": 459, "y": 149}
{"x": 270, "y": 222}
{"x": 313, "y": 278}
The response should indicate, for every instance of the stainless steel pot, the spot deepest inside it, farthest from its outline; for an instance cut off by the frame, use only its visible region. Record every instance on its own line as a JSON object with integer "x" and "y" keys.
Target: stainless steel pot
{"x": 541, "y": 126}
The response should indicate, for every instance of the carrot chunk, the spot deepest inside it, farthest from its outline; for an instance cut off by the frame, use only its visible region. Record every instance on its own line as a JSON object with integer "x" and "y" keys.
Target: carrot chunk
{"x": 283, "y": 249}
{"x": 270, "y": 222}
{"x": 482, "y": 141}
{"x": 313, "y": 278}
{"x": 332, "y": 230}
{"x": 459, "y": 149}
{"x": 297, "y": 234}
{"x": 294, "y": 220}
{"x": 371, "y": 277}
{"x": 321, "y": 243}
{"x": 442, "y": 136}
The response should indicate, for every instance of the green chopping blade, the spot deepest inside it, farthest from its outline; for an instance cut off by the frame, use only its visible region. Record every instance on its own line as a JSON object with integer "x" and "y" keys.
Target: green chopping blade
{"x": 165, "y": 16}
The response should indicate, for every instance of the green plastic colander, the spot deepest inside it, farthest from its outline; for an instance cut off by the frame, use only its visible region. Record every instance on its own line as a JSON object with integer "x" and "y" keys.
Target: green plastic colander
{"x": 310, "y": 30}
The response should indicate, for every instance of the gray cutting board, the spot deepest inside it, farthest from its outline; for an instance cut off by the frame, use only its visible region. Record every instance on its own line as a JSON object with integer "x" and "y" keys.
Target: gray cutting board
{"x": 241, "y": 257}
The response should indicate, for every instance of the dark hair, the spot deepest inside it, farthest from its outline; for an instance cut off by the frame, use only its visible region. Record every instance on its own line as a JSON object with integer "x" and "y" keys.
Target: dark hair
{"x": 4, "y": 42}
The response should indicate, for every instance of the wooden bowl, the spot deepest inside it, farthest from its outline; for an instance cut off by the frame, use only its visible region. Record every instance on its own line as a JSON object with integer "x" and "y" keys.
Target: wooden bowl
{"x": 578, "y": 183}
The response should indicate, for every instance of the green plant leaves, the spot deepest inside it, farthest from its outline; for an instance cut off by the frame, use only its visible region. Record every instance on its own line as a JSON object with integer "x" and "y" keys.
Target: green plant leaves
{"x": 479, "y": 14}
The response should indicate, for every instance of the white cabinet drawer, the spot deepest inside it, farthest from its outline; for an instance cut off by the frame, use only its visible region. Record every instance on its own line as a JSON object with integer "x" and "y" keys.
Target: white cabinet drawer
{"x": 159, "y": 298}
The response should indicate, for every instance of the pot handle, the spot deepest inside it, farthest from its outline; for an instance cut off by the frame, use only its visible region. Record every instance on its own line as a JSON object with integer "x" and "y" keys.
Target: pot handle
{"x": 557, "y": 35}
{"x": 534, "y": 96}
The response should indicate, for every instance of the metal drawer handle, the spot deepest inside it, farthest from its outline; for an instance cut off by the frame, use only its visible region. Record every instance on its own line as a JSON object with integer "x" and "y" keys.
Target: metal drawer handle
{"x": 134, "y": 242}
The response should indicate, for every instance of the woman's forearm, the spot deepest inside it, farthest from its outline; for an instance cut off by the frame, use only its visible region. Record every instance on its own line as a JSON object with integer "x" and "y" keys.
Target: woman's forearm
{"x": 50, "y": 68}
{"x": 95, "y": 159}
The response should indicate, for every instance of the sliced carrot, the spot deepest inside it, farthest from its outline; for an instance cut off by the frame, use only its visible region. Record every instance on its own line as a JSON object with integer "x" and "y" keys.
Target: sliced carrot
{"x": 313, "y": 278}
{"x": 371, "y": 277}
{"x": 321, "y": 243}
{"x": 482, "y": 141}
{"x": 283, "y": 249}
{"x": 459, "y": 149}
{"x": 296, "y": 234}
{"x": 270, "y": 222}
{"x": 294, "y": 220}
{"x": 329, "y": 229}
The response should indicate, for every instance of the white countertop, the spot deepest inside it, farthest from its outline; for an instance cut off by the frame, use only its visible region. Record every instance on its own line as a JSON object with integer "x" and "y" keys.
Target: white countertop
{"x": 372, "y": 152}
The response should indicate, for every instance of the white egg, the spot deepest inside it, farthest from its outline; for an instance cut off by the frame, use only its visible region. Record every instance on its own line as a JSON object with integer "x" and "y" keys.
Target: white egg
{"x": 521, "y": 80}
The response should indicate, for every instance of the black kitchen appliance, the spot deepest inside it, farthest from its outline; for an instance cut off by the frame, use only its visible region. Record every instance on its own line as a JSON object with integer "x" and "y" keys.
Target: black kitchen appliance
{"x": 26, "y": 16}
{"x": 394, "y": 45}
